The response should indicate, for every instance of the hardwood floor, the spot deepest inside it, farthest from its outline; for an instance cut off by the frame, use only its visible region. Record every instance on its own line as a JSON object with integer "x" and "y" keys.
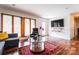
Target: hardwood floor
{"x": 68, "y": 47}
{"x": 74, "y": 47}
{"x": 65, "y": 47}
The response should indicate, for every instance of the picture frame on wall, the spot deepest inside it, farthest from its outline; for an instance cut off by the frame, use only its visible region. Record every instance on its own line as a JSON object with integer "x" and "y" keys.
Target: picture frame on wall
{"x": 57, "y": 23}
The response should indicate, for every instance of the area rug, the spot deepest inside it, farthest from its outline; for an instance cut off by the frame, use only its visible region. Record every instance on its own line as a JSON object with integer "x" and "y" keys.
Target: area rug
{"x": 49, "y": 49}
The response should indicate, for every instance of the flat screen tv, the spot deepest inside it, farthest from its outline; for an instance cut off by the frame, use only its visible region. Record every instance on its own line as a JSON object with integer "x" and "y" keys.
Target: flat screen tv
{"x": 57, "y": 23}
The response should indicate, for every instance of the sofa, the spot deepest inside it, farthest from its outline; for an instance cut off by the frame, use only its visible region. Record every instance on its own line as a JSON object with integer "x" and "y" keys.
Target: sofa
{"x": 1, "y": 43}
{"x": 1, "y": 47}
{"x": 3, "y": 36}
{"x": 10, "y": 44}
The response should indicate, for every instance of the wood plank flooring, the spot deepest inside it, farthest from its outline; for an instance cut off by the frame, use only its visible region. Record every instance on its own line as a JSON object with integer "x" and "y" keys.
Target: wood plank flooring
{"x": 68, "y": 47}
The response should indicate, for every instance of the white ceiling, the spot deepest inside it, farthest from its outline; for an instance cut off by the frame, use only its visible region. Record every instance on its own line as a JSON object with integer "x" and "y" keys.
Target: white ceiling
{"x": 42, "y": 10}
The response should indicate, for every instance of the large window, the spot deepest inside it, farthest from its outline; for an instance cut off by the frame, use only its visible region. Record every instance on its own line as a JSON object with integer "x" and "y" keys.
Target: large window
{"x": 17, "y": 25}
{"x": 27, "y": 27}
{"x": 32, "y": 25}
{"x": 7, "y": 24}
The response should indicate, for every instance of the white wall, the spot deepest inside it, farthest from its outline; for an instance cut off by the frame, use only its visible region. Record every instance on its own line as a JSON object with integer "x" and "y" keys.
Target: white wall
{"x": 18, "y": 13}
{"x": 65, "y": 32}
{"x": 68, "y": 31}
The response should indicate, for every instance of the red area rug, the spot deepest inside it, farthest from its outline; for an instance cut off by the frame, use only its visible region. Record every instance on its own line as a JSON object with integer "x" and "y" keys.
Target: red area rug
{"x": 48, "y": 49}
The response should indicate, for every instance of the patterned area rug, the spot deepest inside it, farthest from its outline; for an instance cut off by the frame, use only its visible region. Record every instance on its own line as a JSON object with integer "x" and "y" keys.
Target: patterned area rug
{"x": 49, "y": 50}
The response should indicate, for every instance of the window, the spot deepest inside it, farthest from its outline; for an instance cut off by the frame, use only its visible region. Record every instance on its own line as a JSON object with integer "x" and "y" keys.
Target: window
{"x": 17, "y": 25}
{"x": 32, "y": 25}
{"x": 7, "y": 23}
{"x": 20, "y": 25}
{"x": 27, "y": 27}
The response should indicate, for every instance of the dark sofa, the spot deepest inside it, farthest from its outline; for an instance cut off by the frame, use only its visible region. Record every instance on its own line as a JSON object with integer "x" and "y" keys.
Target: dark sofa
{"x": 11, "y": 44}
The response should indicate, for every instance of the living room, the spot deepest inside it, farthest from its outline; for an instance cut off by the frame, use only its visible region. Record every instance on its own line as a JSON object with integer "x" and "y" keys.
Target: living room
{"x": 56, "y": 27}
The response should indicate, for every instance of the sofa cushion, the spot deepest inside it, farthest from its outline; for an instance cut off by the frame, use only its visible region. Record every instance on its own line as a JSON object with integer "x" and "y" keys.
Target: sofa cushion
{"x": 0, "y": 31}
{"x": 13, "y": 35}
{"x": 11, "y": 43}
{"x": 3, "y": 36}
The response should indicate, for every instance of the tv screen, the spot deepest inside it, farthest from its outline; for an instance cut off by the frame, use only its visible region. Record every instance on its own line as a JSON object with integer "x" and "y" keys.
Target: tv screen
{"x": 57, "y": 23}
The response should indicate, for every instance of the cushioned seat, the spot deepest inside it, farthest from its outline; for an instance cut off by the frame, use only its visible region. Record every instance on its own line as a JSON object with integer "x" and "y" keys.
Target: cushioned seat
{"x": 11, "y": 44}
{"x": 3, "y": 36}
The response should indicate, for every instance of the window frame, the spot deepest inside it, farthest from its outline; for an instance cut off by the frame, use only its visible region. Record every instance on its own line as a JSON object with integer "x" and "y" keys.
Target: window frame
{"x": 13, "y": 22}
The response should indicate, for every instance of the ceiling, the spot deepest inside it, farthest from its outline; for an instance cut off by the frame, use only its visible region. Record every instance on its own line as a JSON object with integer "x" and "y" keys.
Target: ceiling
{"x": 41, "y": 10}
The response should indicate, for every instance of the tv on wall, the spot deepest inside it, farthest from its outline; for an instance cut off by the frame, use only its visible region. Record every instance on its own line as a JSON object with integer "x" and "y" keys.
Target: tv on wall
{"x": 57, "y": 23}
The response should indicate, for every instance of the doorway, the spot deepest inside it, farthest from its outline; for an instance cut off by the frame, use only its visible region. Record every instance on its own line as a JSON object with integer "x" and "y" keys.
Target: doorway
{"x": 75, "y": 25}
